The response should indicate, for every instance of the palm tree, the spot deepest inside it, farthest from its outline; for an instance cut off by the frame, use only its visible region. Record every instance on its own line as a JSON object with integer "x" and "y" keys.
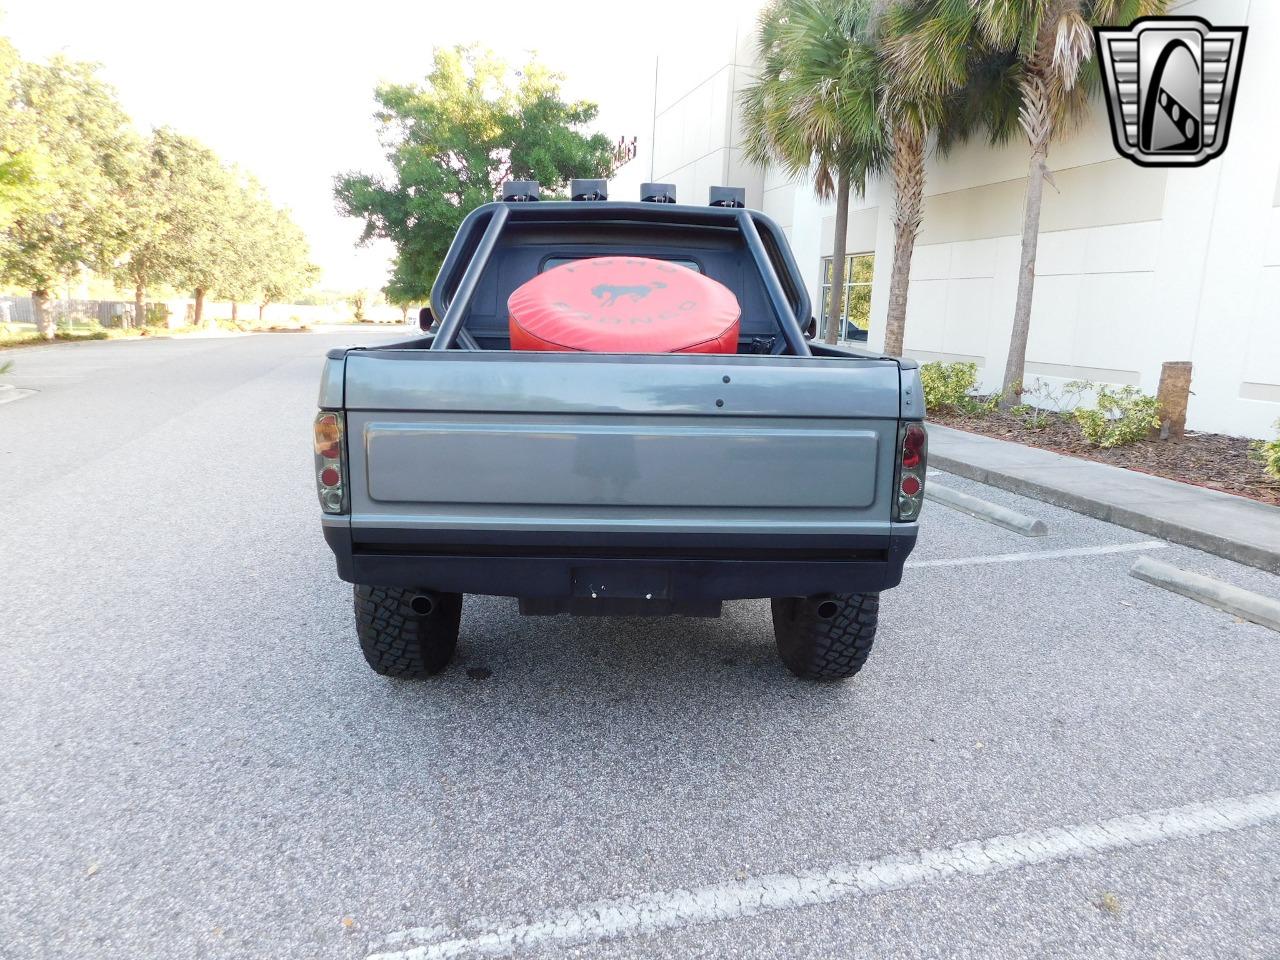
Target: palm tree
{"x": 1051, "y": 41}
{"x": 830, "y": 99}
{"x": 814, "y": 108}
{"x": 910, "y": 117}
{"x": 916, "y": 109}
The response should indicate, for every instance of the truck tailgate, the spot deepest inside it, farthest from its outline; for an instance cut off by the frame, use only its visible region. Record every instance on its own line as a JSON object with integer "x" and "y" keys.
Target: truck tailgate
{"x": 474, "y": 440}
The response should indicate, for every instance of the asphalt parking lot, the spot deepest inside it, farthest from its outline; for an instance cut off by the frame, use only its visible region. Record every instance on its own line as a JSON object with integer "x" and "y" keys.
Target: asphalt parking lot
{"x": 197, "y": 762}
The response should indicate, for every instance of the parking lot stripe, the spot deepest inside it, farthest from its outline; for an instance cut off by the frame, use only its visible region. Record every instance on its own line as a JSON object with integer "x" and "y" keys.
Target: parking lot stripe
{"x": 1042, "y": 554}
{"x": 633, "y": 916}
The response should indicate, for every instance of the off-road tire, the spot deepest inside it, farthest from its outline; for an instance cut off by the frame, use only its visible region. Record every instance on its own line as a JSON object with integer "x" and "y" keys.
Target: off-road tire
{"x": 396, "y": 641}
{"x": 816, "y": 648}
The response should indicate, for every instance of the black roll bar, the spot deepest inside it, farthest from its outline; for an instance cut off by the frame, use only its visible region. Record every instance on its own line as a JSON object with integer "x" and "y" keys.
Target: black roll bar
{"x": 787, "y": 321}
{"x": 451, "y": 322}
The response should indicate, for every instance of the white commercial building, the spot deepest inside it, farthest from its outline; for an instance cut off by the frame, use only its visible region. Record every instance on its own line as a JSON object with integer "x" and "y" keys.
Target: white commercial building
{"x": 1136, "y": 265}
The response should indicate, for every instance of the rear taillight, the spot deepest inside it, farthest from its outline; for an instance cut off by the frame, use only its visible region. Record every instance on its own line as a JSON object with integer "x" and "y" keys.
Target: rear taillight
{"x": 913, "y": 447}
{"x": 330, "y": 475}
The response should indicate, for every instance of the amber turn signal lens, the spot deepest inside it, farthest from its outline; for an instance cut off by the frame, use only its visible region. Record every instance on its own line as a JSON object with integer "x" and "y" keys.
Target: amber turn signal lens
{"x": 328, "y": 433}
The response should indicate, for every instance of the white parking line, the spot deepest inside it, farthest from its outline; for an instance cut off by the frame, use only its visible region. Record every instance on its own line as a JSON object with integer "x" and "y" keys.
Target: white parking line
{"x": 634, "y": 916}
{"x": 1042, "y": 554}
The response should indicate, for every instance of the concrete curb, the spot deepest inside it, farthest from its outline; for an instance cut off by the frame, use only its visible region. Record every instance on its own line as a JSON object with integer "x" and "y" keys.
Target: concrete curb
{"x": 1253, "y": 607}
{"x": 983, "y": 510}
{"x": 1170, "y": 530}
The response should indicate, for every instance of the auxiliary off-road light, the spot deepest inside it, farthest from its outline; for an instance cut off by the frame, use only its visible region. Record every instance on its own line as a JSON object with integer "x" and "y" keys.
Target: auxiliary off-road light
{"x": 330, "y": 475}
{"x": 727, "y": 196}
{"x": 520, "y": 191}
{"x": 913, "y": 446}
{"x": 584, "y": 189}
{"x": 657, "y": 193}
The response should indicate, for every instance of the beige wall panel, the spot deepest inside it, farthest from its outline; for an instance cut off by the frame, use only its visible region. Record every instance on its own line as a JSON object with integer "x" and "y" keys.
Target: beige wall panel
{"x": 1115, "y": 191}
{"x": 937, "y": 356}
{"x": 967, "y": 312}
{"x": 1122, "y": 247}
{"x": 1271, "y": 250}
{"x": 973, "y": 258}
{"x": 930, "y": 262}
{"x": 1070, "y": 371}
{"x": 1100, "y": 194}
{"x": 1061, "y": 253}
{"x": 1053, "y": 318}
{"x": 1262, "y": 356}
{"x": 1266, "y": 392}
{"x": 779, "y": 203}
{"x": 1113, "y": 327}
{"x": 926, "y": 315}
{"x": 861, "y": 235}
{"x": 741, "y": 173}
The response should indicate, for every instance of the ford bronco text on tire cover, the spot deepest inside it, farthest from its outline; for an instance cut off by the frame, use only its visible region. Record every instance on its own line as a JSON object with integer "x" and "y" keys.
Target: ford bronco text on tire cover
{"x": 618, "y": 413}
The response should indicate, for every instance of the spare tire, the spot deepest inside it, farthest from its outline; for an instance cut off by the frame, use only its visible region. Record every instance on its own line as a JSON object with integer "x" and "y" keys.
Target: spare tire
{"x": 624, "y": 305}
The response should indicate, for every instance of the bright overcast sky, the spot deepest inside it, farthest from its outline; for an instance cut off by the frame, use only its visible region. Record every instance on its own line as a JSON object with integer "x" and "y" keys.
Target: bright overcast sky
{"x": 285, "y": 89}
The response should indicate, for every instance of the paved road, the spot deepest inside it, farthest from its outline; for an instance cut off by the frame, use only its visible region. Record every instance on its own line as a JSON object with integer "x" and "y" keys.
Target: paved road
{"x": 197, "y": 763}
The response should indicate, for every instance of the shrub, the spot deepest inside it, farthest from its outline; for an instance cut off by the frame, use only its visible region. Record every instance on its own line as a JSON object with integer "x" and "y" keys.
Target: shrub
{"x": 157, "y": 315}
{"x": 1050, "y": 404}
{"x": 1267, "y": 452}
{"x": 1122, "y": 416}
{"x": 951, "y": 386}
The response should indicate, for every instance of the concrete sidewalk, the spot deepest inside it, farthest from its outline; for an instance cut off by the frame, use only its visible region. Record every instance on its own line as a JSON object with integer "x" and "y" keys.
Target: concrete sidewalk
{"x": 1233, "y": 527}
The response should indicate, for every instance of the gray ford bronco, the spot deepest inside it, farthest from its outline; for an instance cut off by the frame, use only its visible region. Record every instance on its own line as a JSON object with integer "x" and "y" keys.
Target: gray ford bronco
{"x": 637, "y": 484}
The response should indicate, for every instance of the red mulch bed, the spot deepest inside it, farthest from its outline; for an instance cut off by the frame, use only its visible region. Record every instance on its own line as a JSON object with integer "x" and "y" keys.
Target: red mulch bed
{"x": 1204, "y": 459}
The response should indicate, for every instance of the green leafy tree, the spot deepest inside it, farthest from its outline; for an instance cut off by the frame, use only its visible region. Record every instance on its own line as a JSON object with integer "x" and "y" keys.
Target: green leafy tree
{"x": 451, "y": 142}
{"x": 1052, "y": 43}
{"x": 79, "y": 139}
{"x": 149, "y": 243}
{"x": 287, "y": 269}
{"x": 814, "y": 108}
{"x": 247, "y": 226}
{"x": 22, "y": 164}
{"x": 201, "y": 204}
{"x": 357, "y": 301}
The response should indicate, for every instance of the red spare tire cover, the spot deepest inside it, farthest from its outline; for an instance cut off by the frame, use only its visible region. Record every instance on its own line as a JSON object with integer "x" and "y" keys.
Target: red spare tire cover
{"x": 624, "y": 305}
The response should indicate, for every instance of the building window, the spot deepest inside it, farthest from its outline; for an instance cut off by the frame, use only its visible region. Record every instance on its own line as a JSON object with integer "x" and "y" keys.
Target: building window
{"x": 857, "y": 295}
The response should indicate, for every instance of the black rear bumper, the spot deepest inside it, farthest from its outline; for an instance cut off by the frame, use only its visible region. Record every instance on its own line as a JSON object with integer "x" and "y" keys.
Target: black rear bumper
{"x": 689, "y": 568}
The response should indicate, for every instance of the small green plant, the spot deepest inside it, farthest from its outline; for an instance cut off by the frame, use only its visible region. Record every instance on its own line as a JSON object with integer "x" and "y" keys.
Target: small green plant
{"x": 949, "y": 387}
{"x": 1267, "y": 452}
{"x": 1122, "y": 416}
{"x": 1050, "y": 403}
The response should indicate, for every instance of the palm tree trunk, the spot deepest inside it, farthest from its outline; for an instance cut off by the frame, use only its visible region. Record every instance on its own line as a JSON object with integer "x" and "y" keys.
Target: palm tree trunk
{"x": 908, "y": 181}
{"x": 45, "y": 325}
{"x": 835, "y": 311}
{"x": 1036, "y": 117}
{"x": 1015, "y": 365}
